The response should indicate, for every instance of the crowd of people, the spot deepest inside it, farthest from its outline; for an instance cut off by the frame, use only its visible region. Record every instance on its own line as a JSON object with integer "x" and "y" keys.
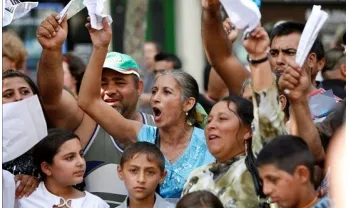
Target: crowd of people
{"x": 123, "y": 136}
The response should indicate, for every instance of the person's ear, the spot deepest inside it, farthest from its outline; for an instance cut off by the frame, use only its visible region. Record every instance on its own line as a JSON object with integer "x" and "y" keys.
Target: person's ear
{"x": 189, "y": 103}
{"x": 343, "y": 70}
{"x": 46, "y": 168}
{"x": 119, "y": 172}
{"x": 140, "y": 88}
{"x": 321, "y": 64}
{"x": 248, "y": 134}
{"x": 283, "y": 101}
{"x": 312, "y": 58}
{"x": 163, "y": 176}
{"x": 302, "y": 172}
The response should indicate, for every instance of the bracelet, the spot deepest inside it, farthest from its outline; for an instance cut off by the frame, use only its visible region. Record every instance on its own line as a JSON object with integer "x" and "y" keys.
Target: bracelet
{"x": 258, "y": 61}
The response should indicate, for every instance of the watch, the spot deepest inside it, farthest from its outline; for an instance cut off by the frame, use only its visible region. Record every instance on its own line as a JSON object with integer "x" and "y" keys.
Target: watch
{"x": 258, "y": 61}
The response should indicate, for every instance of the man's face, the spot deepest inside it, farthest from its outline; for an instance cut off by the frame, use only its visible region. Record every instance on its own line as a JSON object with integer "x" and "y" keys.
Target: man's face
{"x": 119, "y": 90}
{"x": 162, "y": 66}
{"x": 283, "y": 50}
{"x": 281, "y": 186}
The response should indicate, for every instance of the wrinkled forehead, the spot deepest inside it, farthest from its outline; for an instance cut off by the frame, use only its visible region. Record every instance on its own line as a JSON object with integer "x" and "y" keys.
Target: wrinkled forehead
{"x": 286, "y": 41}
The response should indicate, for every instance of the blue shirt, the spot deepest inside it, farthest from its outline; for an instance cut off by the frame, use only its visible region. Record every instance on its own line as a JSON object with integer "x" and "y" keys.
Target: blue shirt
{"x": 195, "y": 155}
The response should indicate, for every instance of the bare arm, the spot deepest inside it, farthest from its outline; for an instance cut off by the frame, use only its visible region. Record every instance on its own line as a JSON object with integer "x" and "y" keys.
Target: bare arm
{"x": 302, "y": 125}
{"x": 218, "y": 49}
{"x": 89, "y": 100}
{"x": 60, "y": 106}
{"x": 217, "y": 88}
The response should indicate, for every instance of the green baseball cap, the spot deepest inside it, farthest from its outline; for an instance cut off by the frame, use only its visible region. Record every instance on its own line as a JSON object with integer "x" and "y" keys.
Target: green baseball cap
{"x": 121, "y": 63}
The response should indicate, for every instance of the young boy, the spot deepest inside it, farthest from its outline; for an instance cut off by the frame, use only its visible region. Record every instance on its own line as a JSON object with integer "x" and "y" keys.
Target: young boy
{"x": 286, "y": 167}
{"x": 142, "y": 169}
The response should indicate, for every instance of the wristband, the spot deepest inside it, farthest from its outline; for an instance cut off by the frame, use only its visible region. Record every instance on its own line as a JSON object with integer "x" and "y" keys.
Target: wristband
{"x": 258, "y": 61}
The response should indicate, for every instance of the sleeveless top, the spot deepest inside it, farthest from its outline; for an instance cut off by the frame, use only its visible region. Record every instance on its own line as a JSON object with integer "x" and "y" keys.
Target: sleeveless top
{"x": 103, "y": 154}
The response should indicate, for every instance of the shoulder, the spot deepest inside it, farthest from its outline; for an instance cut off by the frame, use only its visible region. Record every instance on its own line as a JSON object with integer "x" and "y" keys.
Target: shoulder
{"x": 97, "y": 201}
{"x": 162, "y": 203}
{"x": 147, "y": 134}
{"x": 148, "y": 119}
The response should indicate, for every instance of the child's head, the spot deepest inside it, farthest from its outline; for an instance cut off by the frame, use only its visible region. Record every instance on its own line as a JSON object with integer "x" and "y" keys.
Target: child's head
{"x": 142, "y": 169}
{"x": 286, "y": 167}
{"x": 199, "y": 199}
{"x": 59, "y": 156}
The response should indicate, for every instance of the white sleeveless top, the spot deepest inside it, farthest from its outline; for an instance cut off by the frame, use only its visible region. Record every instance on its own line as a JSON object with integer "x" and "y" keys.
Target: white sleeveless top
{"x": 42, "y": 198}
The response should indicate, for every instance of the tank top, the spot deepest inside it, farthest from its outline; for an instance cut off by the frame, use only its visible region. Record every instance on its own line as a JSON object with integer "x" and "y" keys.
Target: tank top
{"x": 103, "y": 154}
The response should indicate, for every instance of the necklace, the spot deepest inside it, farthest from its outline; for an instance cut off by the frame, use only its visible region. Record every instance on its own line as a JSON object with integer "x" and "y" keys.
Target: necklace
{"x": 173, "y": 159}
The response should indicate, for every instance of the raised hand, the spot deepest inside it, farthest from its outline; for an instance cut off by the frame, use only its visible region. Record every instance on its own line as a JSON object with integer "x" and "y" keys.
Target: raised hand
{"x": 52, "y": 35}
{"x": 100, "y": 38}
{"x": 257, "y": 44}
{"x": 296, "y": 81}
{"x": 230, "y": 29}
{"x": 211, "y": 5}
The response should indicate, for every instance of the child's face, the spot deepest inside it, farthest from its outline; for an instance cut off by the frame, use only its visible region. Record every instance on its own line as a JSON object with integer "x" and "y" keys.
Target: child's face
{"x": 281, "y": 186}
{"x": 141, "y": 176}
{"x": 68, "y": 165}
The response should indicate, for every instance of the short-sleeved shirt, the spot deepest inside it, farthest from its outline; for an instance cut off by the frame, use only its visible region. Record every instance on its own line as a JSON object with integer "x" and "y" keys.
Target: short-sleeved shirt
{"x": 42, "y": 198}
{"x": 195, "y": 155}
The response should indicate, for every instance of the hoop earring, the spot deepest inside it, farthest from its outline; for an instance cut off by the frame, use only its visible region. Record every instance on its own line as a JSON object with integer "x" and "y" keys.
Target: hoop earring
{"x": 246, "y": 148}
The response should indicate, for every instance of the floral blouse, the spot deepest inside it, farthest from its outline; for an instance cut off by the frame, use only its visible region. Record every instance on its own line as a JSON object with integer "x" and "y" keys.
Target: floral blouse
{"x": 231, "y": 181}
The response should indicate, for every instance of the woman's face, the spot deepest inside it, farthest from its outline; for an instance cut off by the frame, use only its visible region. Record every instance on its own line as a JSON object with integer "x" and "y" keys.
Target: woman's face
{"x": 69, "y": 165}
{"x": 15, "y": 89}
{"x": 166, "y": 102}
{"x": 224, "y": 132}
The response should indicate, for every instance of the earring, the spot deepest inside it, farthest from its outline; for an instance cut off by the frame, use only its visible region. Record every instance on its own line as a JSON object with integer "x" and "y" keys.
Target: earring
{"x": 246, "y": 148}
{"x": 186, "y": 113}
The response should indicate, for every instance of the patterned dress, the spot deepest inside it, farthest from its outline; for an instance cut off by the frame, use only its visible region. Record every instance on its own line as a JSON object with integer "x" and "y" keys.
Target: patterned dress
{"x": 231, "y": 181}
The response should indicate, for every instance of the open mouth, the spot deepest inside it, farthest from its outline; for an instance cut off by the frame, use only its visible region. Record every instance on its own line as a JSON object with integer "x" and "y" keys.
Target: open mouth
{"x": 156, "y": 112}
{"x": 213, "y": 137}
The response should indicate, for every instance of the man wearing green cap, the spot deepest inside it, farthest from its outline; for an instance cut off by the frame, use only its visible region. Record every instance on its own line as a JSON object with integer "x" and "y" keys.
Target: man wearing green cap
{"x": 121, "y": 88}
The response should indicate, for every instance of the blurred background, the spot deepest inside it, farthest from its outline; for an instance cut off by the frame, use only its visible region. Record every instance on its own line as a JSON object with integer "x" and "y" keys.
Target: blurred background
{"x": 174, "y": 24}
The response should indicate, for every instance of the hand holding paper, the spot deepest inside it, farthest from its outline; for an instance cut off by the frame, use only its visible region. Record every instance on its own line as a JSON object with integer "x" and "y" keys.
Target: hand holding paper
{"x": 95, "y": 9}
{"x": 243, "y": 13}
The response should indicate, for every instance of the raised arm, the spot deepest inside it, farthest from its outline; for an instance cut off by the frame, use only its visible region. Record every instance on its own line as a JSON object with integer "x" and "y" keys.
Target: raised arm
{"x": 60, "y": 106}
{"x": 268, "y": 115}
{"x": 302, "y": 125}
{"x": 89, "y": 99}
{"x": 217, "y": 88}
{"x": 218, "y": 48}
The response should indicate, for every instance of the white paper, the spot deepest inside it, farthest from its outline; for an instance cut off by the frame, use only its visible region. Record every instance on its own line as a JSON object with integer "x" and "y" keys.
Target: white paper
{"x": 243, "y": 13}
{"x": 72, "y": 8}
{"x": 14, "y": 9}
{"x": 9, "y": 188}
{"x": 314, "y": 23}
{"x": 95, "y": 9}
{"x": 24, "y": 126}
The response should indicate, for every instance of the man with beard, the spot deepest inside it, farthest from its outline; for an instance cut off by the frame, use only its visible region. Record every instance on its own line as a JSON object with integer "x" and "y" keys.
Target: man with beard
{"x": 121, "y": 88}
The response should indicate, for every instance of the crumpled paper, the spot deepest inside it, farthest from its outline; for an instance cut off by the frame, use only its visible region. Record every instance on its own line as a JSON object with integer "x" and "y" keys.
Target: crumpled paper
{"x": 244, "y": 14}
{"x": 310, "y": 33}
{"x": 24, "y": 126}
{"x": 14, "y": 9}
{"x": 94, "y": 7}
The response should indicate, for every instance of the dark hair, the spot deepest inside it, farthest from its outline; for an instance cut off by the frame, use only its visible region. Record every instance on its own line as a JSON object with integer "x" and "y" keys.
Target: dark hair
{"x": 47, "y": 148}
{"x": 287, "y": 152}
{"x": 12, "y": 73}
{"x": 149, "y": 149}
{"x": 76, "y": 67}
{"x": 199, "y": 199}
{"x": 162, "y": 56}
{"x": 333, "y": 57}
{"x": 189, "y": 88}
{"x": 287, "y": 28}
{"x": 244, "y": 108}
